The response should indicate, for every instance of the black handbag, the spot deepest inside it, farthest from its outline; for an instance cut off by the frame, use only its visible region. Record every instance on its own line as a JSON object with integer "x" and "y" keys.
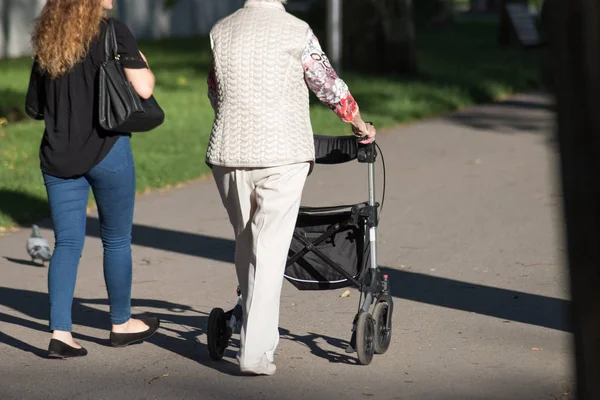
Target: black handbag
{"x": 121, "y": 109}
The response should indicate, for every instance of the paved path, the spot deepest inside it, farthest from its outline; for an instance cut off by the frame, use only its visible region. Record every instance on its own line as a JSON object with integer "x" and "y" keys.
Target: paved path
{"x": 470, "y": 236}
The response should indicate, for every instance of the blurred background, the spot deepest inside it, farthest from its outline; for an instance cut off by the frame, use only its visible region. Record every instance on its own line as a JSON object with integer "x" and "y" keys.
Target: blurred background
{"x": 403, "y": 60}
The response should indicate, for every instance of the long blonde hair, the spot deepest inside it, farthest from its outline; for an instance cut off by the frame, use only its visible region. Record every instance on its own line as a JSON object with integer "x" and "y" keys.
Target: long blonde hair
{"x": 63, "y": 33}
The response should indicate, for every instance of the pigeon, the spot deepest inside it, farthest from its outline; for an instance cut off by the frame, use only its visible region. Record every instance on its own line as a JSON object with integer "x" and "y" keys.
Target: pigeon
{"x": 38, "y": 247}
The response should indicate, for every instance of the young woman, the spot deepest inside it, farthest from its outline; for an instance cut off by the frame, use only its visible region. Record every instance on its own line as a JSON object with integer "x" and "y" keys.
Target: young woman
{"x": 76, "y": 155}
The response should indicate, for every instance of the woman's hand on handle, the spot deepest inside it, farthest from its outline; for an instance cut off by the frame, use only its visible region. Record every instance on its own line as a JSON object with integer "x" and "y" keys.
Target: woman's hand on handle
{"x": 364, "y": 131}
{"x": 370, "y": 135}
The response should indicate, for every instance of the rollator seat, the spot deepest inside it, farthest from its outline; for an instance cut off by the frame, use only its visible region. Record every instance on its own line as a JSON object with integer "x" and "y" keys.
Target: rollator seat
{"x": 329, "y": 235}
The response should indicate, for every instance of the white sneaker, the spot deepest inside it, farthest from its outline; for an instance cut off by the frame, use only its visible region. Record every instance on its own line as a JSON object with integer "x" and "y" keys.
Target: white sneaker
{"x": 265, "y": 367}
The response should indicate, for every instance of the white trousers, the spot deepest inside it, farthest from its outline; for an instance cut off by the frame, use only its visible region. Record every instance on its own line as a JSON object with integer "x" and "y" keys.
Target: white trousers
{"x": 262, "y": 204}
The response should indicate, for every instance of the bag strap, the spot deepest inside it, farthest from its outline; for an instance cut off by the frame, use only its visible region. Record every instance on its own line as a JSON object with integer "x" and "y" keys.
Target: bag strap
{"x": 110, "y": 43}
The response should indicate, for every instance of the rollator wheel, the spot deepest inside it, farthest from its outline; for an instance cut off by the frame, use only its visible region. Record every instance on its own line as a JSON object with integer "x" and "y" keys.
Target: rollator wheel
{"x": 216, "y": 334}
{"x": 383, "y": 336}
{"x": 365, "y": 333}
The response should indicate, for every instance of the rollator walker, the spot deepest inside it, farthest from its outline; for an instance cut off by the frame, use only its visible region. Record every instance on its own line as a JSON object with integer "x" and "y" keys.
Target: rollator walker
{"x": 333, "y": 247}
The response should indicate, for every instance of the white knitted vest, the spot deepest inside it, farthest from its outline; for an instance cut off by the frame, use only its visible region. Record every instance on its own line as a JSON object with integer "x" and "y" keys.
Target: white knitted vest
{"x": 262, "y": 118}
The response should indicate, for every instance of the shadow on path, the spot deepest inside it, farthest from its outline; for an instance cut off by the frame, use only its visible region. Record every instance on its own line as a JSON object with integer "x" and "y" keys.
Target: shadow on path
{"x": 310, "y": 340}
{"x": 186, "y": 328}
{"x": 505, "y": 304}
{"x": 508, "y": 305}
{"x": 526, "y": 114}
{"x": 24, "y": 262}
{"x": 191, "y": 244}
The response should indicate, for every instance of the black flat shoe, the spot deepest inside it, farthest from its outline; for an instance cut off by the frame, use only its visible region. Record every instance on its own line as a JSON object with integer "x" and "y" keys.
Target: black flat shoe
{"x": 125, "y": 339}
{"x": 61, "y": 350}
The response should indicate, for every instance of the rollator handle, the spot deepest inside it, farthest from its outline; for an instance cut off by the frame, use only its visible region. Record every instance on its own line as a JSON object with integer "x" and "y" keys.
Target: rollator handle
{"x": 367, "y": 153}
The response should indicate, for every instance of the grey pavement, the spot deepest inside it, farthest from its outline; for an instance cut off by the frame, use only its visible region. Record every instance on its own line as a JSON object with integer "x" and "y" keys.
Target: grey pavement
{"x": 470, "y": 236}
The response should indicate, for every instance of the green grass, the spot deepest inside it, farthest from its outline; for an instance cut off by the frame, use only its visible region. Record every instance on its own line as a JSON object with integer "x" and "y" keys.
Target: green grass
{"x": 459, "y": 67}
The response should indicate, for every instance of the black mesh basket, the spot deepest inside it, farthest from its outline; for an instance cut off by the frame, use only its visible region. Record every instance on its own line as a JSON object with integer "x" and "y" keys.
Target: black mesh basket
{"x": 325, "y": 243}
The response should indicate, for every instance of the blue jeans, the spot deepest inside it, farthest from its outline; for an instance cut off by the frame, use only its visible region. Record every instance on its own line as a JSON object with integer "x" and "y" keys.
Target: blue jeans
{"x": 113, "y": 184}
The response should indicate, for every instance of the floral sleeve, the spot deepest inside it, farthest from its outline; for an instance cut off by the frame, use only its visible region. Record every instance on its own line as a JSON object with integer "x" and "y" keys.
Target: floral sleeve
{"x": 212, "y": 87}
{"x": 322, "y": 79}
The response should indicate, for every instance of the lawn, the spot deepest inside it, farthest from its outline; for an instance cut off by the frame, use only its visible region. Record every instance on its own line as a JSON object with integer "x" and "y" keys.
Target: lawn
{"x": 459, "y": 66}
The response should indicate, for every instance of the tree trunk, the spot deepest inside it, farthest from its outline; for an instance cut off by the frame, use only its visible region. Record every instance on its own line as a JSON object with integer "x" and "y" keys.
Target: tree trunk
{"x": 379, "y": 36}
{"x": 399, "y": 32}
{"x": 574, "y": 38}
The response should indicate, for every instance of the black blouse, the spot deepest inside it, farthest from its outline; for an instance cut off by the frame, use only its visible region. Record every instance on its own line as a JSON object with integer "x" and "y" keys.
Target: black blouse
{"x": 73, "y": 141}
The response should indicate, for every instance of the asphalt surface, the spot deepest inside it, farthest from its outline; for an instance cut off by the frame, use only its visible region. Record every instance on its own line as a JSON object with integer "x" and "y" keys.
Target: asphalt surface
{"x": 470, "y": 236}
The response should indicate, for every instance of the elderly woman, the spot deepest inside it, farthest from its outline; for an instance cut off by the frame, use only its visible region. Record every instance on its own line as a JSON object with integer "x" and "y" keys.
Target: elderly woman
{"x": 261, "y": 150}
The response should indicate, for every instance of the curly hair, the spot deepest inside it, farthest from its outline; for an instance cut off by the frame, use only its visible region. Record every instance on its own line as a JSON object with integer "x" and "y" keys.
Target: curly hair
{"x": 63, "y": 33}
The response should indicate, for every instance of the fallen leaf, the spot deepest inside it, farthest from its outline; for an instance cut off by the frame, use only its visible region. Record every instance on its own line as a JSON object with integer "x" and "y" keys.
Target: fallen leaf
{"x": 537, "y": 349}
{"x": 346, "y": 294}
{"x": 156, "y": 378}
